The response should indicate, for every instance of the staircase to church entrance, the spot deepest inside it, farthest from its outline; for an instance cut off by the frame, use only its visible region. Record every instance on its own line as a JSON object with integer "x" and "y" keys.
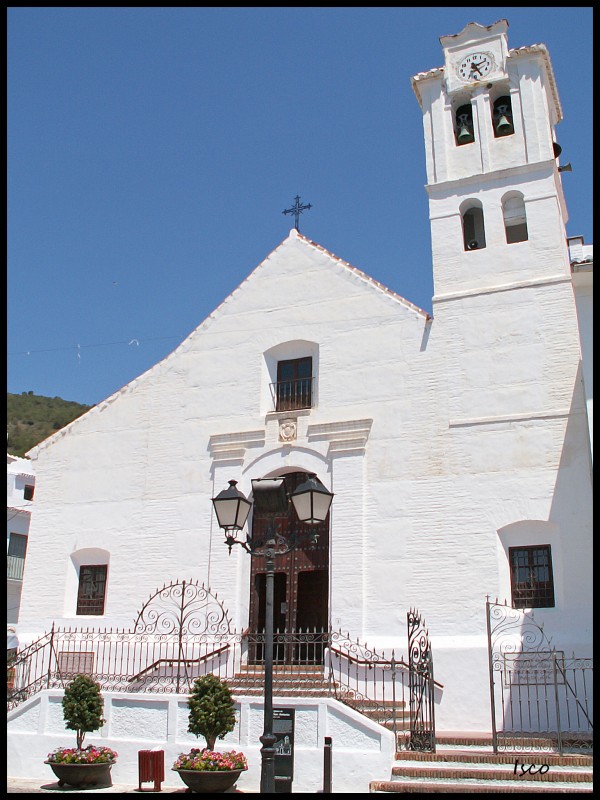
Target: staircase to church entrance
{"x": 468, "y": 765}
{"x": 289, "y": 680}
{"x": 314, "y": 681}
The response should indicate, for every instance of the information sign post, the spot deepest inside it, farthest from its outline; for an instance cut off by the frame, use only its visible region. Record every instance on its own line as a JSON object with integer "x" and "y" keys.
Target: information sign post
{"x": 283, "y": 730}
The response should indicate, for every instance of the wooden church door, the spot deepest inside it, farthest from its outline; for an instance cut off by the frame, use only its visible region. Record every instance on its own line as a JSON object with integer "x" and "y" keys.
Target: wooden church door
{"x": 301, "y": 588}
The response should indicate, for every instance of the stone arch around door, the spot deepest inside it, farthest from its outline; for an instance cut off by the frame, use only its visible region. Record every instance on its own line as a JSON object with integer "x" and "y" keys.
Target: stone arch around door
{"x": 301, "y": 588}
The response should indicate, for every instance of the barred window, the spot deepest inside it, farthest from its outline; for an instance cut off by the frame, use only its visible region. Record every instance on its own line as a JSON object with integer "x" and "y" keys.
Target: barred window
{"x": 92, "y": 589}
{"x": 531, "y": 576}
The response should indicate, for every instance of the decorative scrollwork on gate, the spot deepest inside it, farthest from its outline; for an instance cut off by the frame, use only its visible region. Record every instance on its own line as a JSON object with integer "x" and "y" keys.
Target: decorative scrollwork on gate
{"x": 421, "y": 683}
{"x": 543, "y": 699}
{"x": 182, "y": 632}
{"x": 184, "y": 609}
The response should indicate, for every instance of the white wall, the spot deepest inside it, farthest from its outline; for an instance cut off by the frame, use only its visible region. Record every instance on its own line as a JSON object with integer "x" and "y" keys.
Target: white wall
{"x": 436, "y": 436}
{"x": 361, "y": 750}
{"x": 449, "y": 431}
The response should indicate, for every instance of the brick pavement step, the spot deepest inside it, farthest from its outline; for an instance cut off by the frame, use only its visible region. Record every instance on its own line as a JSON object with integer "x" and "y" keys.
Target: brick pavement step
{"x": 463, "y": 787}
{"x": 468, "y": 770}
{"x": 475, "y": 757}
{"x": 494, "y": 772}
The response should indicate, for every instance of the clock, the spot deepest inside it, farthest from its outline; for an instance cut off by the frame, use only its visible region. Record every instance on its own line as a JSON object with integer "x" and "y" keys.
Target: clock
{"x": 475, "y": 66}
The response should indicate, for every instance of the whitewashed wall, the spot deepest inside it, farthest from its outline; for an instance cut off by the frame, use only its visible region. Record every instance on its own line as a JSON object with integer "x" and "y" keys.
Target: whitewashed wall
{"x": 361, "y": 750}
{"x": 445, "y": 441}
{"x": 449, "y": 431}
{"x": 584, "y": 299}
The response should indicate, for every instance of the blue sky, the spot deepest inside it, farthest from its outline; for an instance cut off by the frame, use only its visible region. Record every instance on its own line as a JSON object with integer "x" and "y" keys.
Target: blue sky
{"x": 151, "y": 152}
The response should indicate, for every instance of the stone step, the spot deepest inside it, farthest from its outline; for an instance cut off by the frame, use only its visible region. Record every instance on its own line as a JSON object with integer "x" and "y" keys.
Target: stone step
{"x": 467, "y": 786}
{"x": 289, "y": 669}
{"x": 517, "y": 771}
{"x": 280, "y": 691}
{"x": 484, "y": 741}
{"x": 469, "y": 770}
{"x": 286, "y": 684}
{"x": 472, "y": 756}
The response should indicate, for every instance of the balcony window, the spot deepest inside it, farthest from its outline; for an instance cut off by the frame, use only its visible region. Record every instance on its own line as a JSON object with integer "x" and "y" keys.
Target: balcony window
{"x": 28, "y": 492}
{"x": 17, "y": 547}
{"x": 92, "y": 589}
{"x": 294, "y": 387}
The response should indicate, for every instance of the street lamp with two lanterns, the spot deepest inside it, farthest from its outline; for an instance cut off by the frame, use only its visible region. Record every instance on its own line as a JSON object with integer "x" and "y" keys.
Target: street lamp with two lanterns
{"x": 311, "y": 501}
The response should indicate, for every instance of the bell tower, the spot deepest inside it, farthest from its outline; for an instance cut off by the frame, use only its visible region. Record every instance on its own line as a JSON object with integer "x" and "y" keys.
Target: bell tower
{"x": 496, "y": 202}
{"x": 503, "y": 303}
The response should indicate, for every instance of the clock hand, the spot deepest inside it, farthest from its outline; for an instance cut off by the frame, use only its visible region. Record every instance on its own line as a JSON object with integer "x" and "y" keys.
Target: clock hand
{"x": 476, "y": 67}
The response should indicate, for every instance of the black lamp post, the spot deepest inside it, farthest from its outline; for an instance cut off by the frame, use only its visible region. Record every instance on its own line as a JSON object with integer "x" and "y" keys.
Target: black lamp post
{"x": 311, "y": 501}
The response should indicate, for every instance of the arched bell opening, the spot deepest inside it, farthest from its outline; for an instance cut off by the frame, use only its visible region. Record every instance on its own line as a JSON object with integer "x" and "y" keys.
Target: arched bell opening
{"x": 464, "y": 128}
{"x": 301, "y": 585}
{"x": 473, "y": 225}
{"x": 502, "y": 117}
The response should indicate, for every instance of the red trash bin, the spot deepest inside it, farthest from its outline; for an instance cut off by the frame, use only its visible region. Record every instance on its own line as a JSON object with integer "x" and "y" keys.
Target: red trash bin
{"x": 151, "y": 767}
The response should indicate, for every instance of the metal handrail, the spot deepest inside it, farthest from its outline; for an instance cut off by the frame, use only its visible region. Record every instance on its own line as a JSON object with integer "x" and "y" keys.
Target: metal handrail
{"x": 171, "y": 661}
{"x": 367, "y": 662}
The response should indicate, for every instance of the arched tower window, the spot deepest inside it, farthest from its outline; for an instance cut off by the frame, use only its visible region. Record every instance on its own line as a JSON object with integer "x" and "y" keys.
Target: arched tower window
{"x": 472, "y": 224}
{"x": 464, "y": 130}
{"x": 502, "y": 116}
{"x": 515, "y": 219}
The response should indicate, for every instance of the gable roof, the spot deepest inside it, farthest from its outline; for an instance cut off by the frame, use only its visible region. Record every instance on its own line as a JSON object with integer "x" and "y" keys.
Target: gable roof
{"x": 293, "y": 237}
{"x": 363, "y": 275}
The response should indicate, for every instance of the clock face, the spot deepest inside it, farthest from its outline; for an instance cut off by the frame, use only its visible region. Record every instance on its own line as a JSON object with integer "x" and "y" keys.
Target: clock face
{"x": 475, "y": 66}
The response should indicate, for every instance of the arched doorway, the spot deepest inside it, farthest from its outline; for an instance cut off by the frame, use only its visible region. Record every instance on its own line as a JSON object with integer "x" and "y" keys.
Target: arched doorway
{"x": 301, "y": 588}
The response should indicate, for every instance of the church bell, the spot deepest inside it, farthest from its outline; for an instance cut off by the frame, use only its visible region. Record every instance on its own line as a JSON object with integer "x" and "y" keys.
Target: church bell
{"x": 464, "y": 125}
{"x": 503, "y": 117}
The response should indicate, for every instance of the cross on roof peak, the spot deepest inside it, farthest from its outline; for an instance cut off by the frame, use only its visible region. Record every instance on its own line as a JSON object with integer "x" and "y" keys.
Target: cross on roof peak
{"x": 296, "y": 210}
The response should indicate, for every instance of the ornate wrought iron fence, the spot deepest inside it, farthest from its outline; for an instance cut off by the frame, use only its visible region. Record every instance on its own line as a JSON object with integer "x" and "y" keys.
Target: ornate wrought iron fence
{"x": 397, "y": 694}
{"x": 370, "y": 682}
{"x": 29, "y": 670}
{"x": 302, "y": 647}
{"x": 183, "y": 632}
{"x": 540, "y": 698}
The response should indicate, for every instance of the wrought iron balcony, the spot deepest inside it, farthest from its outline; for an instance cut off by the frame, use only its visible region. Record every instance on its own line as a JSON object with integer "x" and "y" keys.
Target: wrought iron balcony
{"x": 14, "y": 567}
{"x": 291, "y": 395}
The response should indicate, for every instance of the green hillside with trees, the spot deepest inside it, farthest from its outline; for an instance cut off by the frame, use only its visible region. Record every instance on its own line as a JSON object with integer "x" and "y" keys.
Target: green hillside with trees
{"x": 32, "y": 418}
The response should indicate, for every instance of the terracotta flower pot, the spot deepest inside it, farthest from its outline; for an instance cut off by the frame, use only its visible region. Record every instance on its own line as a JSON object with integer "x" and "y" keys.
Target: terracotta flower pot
{"x": 82, "y": 774}
{"x": 206, "y": 781}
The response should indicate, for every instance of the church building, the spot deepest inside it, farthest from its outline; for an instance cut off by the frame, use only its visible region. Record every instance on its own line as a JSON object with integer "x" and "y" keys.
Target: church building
{"x": 457, "y": 448}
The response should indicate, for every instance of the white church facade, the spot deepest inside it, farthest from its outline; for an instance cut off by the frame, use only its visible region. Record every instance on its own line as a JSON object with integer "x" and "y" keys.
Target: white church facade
{"x": 457, "y": 445}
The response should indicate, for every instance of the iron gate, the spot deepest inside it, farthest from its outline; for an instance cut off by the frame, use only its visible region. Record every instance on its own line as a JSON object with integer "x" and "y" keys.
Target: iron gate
{"x": 420, "y": 672}
{"x": 541, "y": 699}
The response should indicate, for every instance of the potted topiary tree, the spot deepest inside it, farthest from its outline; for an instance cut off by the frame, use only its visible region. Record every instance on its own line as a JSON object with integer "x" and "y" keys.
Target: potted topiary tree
{"x": 82, "y": 711}
{"x": 212, "y": 715}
